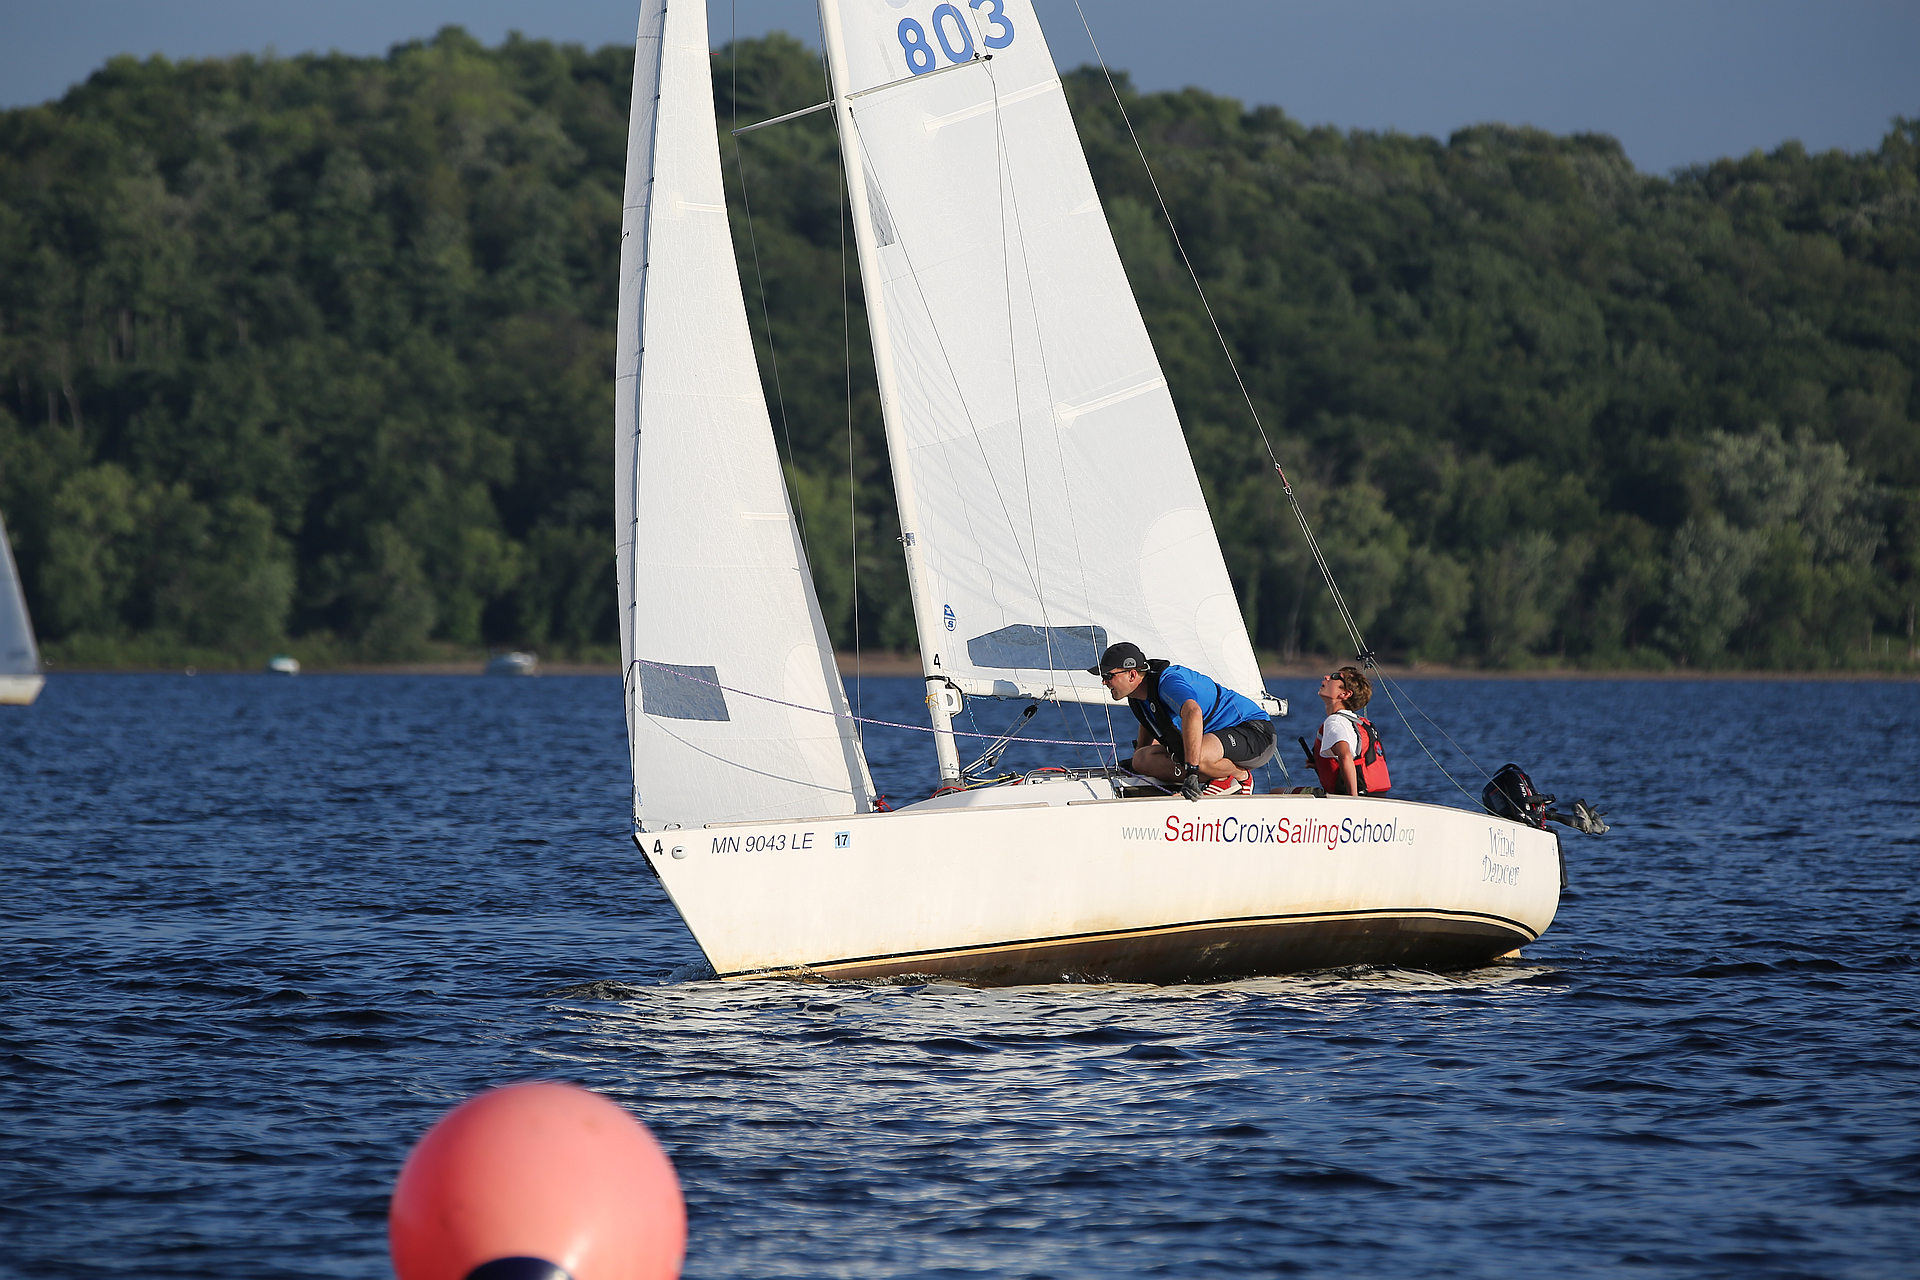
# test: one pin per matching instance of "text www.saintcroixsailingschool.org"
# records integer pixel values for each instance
(1233, 829)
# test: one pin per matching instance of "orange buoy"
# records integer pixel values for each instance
(540, 1181)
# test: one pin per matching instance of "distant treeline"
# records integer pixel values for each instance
(318, 351)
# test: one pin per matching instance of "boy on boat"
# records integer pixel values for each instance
(1346, 752)
(1192, 731)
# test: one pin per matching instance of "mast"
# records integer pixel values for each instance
(943, 697)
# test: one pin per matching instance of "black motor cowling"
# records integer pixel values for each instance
(1511, 795)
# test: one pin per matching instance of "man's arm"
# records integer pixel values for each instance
(1191, 730)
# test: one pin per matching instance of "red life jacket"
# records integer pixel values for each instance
(1369, 762)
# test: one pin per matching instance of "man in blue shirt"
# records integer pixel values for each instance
(1192, 731)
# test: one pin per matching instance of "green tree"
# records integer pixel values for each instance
(321, 347)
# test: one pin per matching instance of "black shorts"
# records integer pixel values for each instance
(1248, 744)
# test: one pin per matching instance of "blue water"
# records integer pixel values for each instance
(258, 934)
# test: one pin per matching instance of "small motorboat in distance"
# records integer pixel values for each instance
(513, 664)
(281, 664)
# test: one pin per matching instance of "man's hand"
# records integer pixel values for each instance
(1192, 783)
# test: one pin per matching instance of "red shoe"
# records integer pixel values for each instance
(1227, 786)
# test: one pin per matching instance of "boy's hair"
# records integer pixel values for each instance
(1359, 688)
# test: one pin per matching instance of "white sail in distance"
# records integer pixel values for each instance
(1052, 503)
(735, 710)
(19, 656)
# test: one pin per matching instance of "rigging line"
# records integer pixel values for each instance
(853, 485)
(1013, 362)
(1326, 571)
(1387, 686)
(946, 356)
(1003, 184)
(860, 141)
(1320, 560)
(630, 625)
(1177, 242)
(1385, 682)
(681, 674)
(1046, 382)
(766, 318)
(791, 115)
(918, 77)
(733, 761)
(1105, 747)
(945, 456)
(1002, 165)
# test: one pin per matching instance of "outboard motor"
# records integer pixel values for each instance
(1511, 795)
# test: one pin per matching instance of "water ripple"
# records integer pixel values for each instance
(260, 933)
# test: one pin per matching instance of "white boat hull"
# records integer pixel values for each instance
(20, 691)
(1053, 881)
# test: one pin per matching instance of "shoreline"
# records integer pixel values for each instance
(884, 664)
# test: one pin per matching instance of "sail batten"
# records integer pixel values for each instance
(735, 710)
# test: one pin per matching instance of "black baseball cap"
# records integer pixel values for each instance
(1120, 657)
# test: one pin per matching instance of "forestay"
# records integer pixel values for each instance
(1056, 507)
(734, 708)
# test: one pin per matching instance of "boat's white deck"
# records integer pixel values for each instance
(1023, 794)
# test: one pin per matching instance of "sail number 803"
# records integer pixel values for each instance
(952, 34)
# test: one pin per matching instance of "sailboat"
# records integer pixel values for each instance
(1048, 507)
(20, 678)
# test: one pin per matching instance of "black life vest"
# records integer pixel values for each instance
(1155, 716)
(1369, 763)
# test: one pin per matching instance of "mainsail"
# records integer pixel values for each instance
(735, 710)
(1047, 497)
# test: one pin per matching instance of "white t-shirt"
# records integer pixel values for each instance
(1339, 727)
